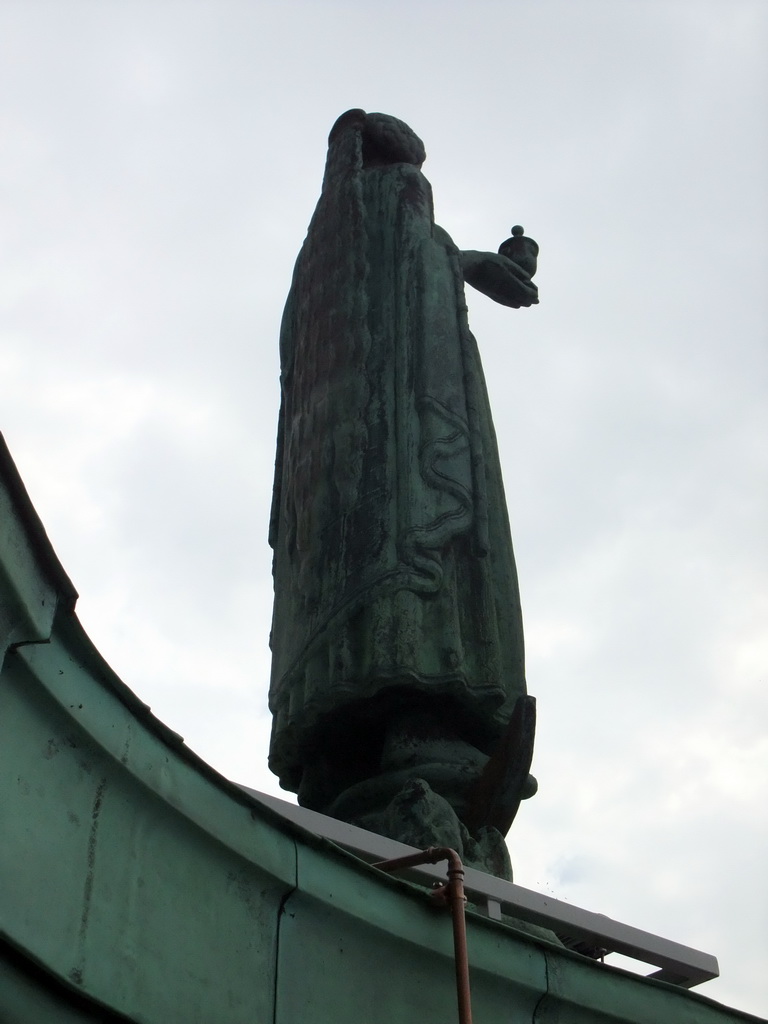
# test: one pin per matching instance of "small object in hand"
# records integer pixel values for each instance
(521, 250)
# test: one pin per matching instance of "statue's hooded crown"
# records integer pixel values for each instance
(382, 137)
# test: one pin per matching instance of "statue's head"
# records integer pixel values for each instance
(383, 139)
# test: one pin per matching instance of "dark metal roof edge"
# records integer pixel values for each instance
(33, 526)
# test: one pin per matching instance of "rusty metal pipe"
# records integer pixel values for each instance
(457, 900)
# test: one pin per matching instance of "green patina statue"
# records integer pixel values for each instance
(398, 685)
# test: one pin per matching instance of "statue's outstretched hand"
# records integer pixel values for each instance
(498, 278)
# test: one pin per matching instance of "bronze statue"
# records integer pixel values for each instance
(397, 638)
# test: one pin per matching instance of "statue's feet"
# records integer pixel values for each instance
(420, 817)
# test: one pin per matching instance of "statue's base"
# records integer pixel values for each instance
(404, 806)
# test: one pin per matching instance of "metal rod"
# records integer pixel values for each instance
(457, 900)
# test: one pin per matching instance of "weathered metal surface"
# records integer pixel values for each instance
(139, 877)
(139, 885)
(29, 992)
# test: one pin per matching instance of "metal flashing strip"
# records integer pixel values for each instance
(677, 964)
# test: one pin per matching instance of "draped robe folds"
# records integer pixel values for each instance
(393, 563)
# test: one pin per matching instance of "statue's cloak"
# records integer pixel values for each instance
(393, 565)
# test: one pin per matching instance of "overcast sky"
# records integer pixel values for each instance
(160, 165)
